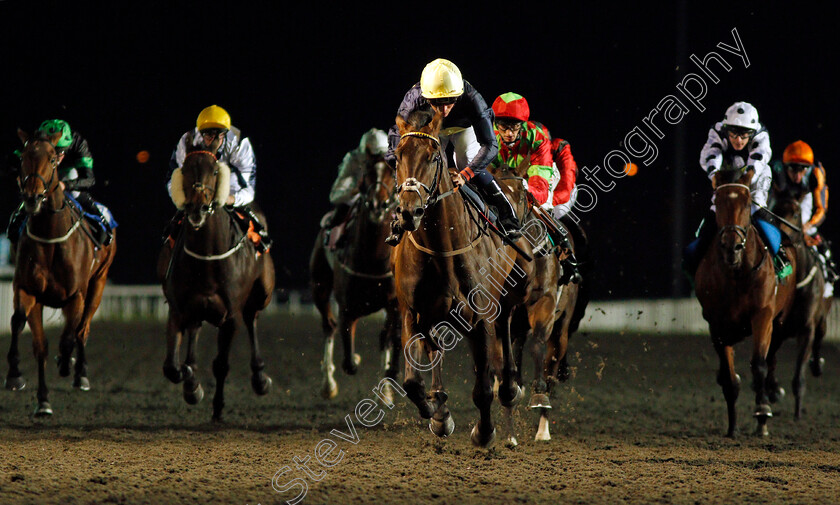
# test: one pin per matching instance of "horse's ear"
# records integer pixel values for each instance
(402, 124)
(434, 125)
(189, 139)
(23, 136)
(747, 176)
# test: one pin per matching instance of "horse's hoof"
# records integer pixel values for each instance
(442, 428)
(511, 399)
(511, 442)
(762, 431)
(350, 368)
(43, 410)
(217, 418)
(763, 411)
(329, 390)
(482, 441)
(539, 401)
(776, 394)
(261, 387)
(174, 375)
(82, 383)
(14, 383)
(194, 396)
(64, 366)
(357, 359)
(543, 433)
(816, 366)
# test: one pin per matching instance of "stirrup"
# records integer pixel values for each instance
(782, 267)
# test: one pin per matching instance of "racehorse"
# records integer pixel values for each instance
(547, 317)
(57, 265)
(738, 291)
(452, 278)
(359, 276)
(211, 273)
(808, 317)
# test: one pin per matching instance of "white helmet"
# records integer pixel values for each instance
(374, 142)
(741, 114)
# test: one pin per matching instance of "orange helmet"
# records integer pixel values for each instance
(798, 152)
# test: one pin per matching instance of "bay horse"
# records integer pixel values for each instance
(807, 322)
(736, 286)
(359, 276)
(57, 265)
(547, 317)
(453, 278)
(211, 273)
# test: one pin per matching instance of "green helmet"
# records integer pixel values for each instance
(53, 126)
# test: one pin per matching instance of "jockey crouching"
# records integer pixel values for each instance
(345, 189)
(739, 142)
(214, 132)
(799, 176)
(75, 173)
(466, 136)
(526, 148)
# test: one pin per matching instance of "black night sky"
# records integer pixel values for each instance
(305, 83)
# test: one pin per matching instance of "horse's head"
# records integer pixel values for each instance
(789, 208)
(420, 166)
(200, 186)
(732, 208)
(38, 176)
(377, 190)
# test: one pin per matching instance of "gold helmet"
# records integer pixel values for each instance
(213, 117)
(441, 79)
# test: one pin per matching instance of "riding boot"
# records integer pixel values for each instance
(571, 272)
(338, 216)
(16, 223)
(396, 234)
(694, 251)
(831, 272)
(508, 221)
(102, 232)
(781, 264)
(265, 241)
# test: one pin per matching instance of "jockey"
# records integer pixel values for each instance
(526, 147)
(467, 130)
(799, 176)
(740, 141)
(213, 127)
(75, 171)
(345, 189)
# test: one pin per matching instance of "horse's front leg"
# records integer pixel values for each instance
(413, 383)
(481, 337)
(221, 365)
(72, 321)
(260, 381)
(389, 347)
(729, 381)
(805, 339)
(347, 328)
(193, 392)
(441, 423)
(14, 379)
(762, 326)
(40, 349)
(775, 392)
(91, 304)
(509, 391)
(174, 332)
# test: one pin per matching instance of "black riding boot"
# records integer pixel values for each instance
(15, 224)
(265, 240)
(508, 221)
(103, 230)
(704, 236)
(571, 273)
(831, 273)
(338, 216)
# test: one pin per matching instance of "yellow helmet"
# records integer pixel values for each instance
(213, 117)
(441, 79)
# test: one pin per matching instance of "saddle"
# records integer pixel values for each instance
(99, 226)
(335, 236)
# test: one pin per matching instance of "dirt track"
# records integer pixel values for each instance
(640, 422)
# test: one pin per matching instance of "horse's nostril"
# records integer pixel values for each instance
(418, 212)
(739, 247)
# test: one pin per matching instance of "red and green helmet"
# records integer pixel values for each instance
(53, 126)
(511, 106)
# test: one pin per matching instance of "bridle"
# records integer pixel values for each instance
(208, 192)
(49, 187)
(378, 209)
(411, 184)
(741, 231)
